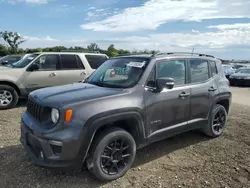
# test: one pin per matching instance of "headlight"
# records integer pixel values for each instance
(55, 115)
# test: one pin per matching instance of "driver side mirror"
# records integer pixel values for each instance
(165, 82)
(33, 67)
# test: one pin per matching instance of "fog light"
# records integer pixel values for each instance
(41, 155)
(56, 143)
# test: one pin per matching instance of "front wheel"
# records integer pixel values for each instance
(8, 97)
(111, 154)
(217, 121)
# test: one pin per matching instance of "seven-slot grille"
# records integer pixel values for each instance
(35, 110)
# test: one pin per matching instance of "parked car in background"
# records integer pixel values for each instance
(127, 103)
(228, 70)
(9, 59)
(243, 67)
(238, 65)
(241, 77)
(45, 69)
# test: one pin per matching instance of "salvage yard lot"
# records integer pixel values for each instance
(187, 160)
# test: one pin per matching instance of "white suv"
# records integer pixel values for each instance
(45, 69)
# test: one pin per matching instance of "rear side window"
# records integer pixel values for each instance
(213, 68)
(96, 61)
(199, 70)
(69, 62)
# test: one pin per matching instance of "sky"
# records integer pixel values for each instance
(217, 27)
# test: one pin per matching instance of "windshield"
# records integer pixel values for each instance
(25, 61)
(2, 57)
(244, 71)
(119, 72)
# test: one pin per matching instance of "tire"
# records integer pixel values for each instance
(10, 92)
(103, 146)
(210, 129)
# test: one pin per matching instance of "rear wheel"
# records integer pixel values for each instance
(8, 97)
(217, 122)
(112, 154)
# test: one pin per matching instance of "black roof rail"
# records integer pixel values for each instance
(80, 51)
(180, 53)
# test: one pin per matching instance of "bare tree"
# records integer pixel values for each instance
(93, 47)
(13, 39)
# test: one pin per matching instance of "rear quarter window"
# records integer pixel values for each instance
(213, 68)
(96, 61)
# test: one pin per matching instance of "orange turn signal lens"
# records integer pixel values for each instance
(68, 115)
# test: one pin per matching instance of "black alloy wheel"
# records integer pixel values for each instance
(111, 154)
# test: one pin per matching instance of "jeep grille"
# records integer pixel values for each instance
(37, 111)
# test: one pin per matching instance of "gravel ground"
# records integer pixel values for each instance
(187, 160)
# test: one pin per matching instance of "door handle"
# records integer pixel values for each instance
(184, 95)
(52, 74)
(83, 73)
(212, 89)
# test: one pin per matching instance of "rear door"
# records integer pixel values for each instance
(96, 61)
(203, 89)
(72, 69)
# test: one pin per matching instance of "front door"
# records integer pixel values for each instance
(46, 75)
(168, 109)
(72, 70)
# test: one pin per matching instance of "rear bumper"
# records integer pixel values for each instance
(48, 152)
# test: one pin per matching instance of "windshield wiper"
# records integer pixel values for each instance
(103, 84)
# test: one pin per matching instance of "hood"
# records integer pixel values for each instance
(67, 94)
(240, 75)
(7, 73)
(4, 68)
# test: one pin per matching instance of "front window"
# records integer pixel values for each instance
(48, 62)
(25, 61)
(175, 69)
(119, 72)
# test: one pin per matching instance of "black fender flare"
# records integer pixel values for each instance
(96, 122)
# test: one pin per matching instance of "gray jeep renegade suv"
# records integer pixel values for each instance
(126, 104)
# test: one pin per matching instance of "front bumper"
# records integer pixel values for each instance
(50, 153)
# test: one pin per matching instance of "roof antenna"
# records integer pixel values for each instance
(192, 51)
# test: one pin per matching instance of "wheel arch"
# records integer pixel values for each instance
(130, 121)
(225, 103)
(225, 100)
(9, 83)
